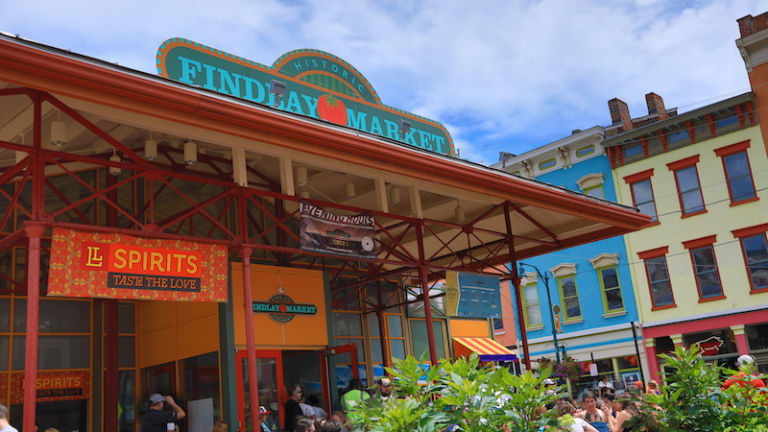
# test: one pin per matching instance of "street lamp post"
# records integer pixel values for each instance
(549, 301)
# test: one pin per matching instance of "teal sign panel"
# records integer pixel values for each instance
(318, 85)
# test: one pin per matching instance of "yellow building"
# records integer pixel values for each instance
(701, 270)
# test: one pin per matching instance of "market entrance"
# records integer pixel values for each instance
(277, 372)
(269, 367)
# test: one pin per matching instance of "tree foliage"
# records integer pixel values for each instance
(466, 393)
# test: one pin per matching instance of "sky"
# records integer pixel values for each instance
(501, 75)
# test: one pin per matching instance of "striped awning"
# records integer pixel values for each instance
(487, 349)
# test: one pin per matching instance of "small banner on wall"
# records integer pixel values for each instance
(472, 295)
(85, 264)
(328, 233)
(53, 386)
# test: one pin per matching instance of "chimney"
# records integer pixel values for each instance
(656, 105)
(749, 24)
(620, 114)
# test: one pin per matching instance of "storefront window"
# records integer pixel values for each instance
(126, 396)
(389, 293)
(3, 355)
(5, 315)
(126, 318)
(55, 352)
(437, 301)
(126, 350)
(201, 381)
(346, 298)
(627, 362)
(664, 344)
(757, 336)
(419, 340)
(398, 348)
(395, 325)
(347, 324)
(56, 316)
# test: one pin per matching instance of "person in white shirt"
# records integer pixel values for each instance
(564, 408)
(5, 416)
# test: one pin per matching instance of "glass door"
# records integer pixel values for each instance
(269, 370)
(159, 379)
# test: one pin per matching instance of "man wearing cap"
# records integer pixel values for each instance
(263, 414)
(156, 419)
(384, 391)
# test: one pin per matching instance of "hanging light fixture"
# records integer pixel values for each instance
(190, 152)
(115, 171)
(150, 149)
(394, 195)
(460, 215)
(350, 190)
(58, 132)
(301, 176)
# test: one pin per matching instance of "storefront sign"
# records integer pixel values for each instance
(282, 308)
(53, 386)
(317, 84)
(472, 295)
(325, 232)
(710, 346)
(118, 266)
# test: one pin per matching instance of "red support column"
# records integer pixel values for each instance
(253, 384)
(516, 285)
(34, 232)
(424, 276)
(110, 365)
(382, 337)
(110, 383)
(381, 317)
(651, 360)
(741, 339)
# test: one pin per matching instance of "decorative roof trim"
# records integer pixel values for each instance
(563, 269)
(605, 260)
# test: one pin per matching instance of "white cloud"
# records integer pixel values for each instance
(502, 75)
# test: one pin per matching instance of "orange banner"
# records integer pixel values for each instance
(85, 264)
(54, 386)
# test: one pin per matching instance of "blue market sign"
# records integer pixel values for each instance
(317, 84)
(283, 309)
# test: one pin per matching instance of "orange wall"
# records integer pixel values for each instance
(303, 286)
(509, 337)
(469, 328)
(169, 331)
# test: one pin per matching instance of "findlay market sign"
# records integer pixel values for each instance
(282, 308)
(318, 85)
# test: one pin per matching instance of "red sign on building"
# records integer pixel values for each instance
(87, 264)
(53, 386)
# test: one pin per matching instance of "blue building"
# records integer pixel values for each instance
(593, 304)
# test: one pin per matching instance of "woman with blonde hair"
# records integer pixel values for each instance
(219, 426)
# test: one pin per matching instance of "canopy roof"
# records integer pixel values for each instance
(460, 208)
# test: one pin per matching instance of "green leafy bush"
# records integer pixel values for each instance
(484, 398)
(692, 399)
(476, 397)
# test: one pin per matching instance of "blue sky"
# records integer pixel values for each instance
(502, 75)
